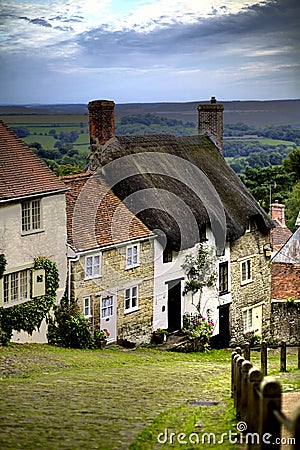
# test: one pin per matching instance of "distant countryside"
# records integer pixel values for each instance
(258, 136)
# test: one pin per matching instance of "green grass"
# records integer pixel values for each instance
(53, 398)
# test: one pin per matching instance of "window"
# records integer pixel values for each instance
(167, 254)
(92, 266)
(252, 319)
(31, 216)
(246, 271)
(131, 299)
(247, 319)
(223, 278)
(16, 287)
(132, 256)
(106, 307)
(87, 307)
(203, 237)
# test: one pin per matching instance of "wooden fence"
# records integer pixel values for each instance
(264, 355)
(257, 401)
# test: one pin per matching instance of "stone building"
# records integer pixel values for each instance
(32, 225)
(280, 234)
(285, 319)
(182, 189)
(110, 261)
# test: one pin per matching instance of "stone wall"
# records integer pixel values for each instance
(135, 326)
(285, 322)
(255, 292)
(285, 281)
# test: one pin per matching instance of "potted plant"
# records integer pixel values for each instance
(159, 336)
(100, 337)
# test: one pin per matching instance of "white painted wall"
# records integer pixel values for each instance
(21, 250)
(164, 272)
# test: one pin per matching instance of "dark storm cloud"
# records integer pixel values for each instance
(267, 25)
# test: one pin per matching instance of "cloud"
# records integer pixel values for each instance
(186, 52)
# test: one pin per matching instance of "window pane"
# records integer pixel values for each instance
(249, 269)
(96, 270)
(89, 266)
(250, 318)
(36, 218)
(243, 271)
(14, 287)
(24, 275)
(129, 256)
(26, 216)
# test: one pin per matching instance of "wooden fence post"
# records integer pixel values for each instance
(235, 368)
(264, 358)
(247, 352)
(246, 366)
(253, 413)
(299, 357)
(233, 354)
(283, 357)
(269, 429)
(238, 378)
(296, 428)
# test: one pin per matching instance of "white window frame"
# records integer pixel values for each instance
(246, 274)
(132, 256)
(92, 266)
(131, 299)
(87, 307)
(107, 309)
(252, 318)
(31, 215)
(17, 287)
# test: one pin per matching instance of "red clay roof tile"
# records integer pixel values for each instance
(22, 173)
(96, 217)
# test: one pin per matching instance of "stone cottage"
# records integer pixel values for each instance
(32, 225)
(285, 318)
(110, 270)
(182, 189)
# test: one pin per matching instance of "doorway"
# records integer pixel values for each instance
(174, 305)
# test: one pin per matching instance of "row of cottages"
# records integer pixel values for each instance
(32, 224)
(182, 189)
(142, 207)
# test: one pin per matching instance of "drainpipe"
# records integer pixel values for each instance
(70, 261)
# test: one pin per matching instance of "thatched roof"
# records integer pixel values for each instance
(180, 178)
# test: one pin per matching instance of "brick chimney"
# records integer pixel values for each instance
(277, 212)
(102, 121)
(210, 122)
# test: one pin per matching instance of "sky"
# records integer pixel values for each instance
(129, 51)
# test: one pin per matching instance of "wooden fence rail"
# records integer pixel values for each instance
(264, 355)
(257, 401)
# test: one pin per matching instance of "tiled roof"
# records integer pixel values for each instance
(96, 217)
(279, 235)
(22, 173)
(290, 252)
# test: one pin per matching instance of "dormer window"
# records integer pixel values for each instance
(31, 216)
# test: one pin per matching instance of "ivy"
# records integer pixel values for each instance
(29, 316)
(3, 263)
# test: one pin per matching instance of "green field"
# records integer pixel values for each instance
(54, 398)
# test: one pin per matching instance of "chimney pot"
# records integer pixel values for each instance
(210, 122)
(102, 121)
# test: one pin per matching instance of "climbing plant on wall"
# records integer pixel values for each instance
(29, 316)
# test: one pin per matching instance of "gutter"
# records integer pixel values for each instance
(40, 194)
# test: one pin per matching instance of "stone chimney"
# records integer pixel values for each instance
(210, 122)
(102, 121)
(277, 212)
